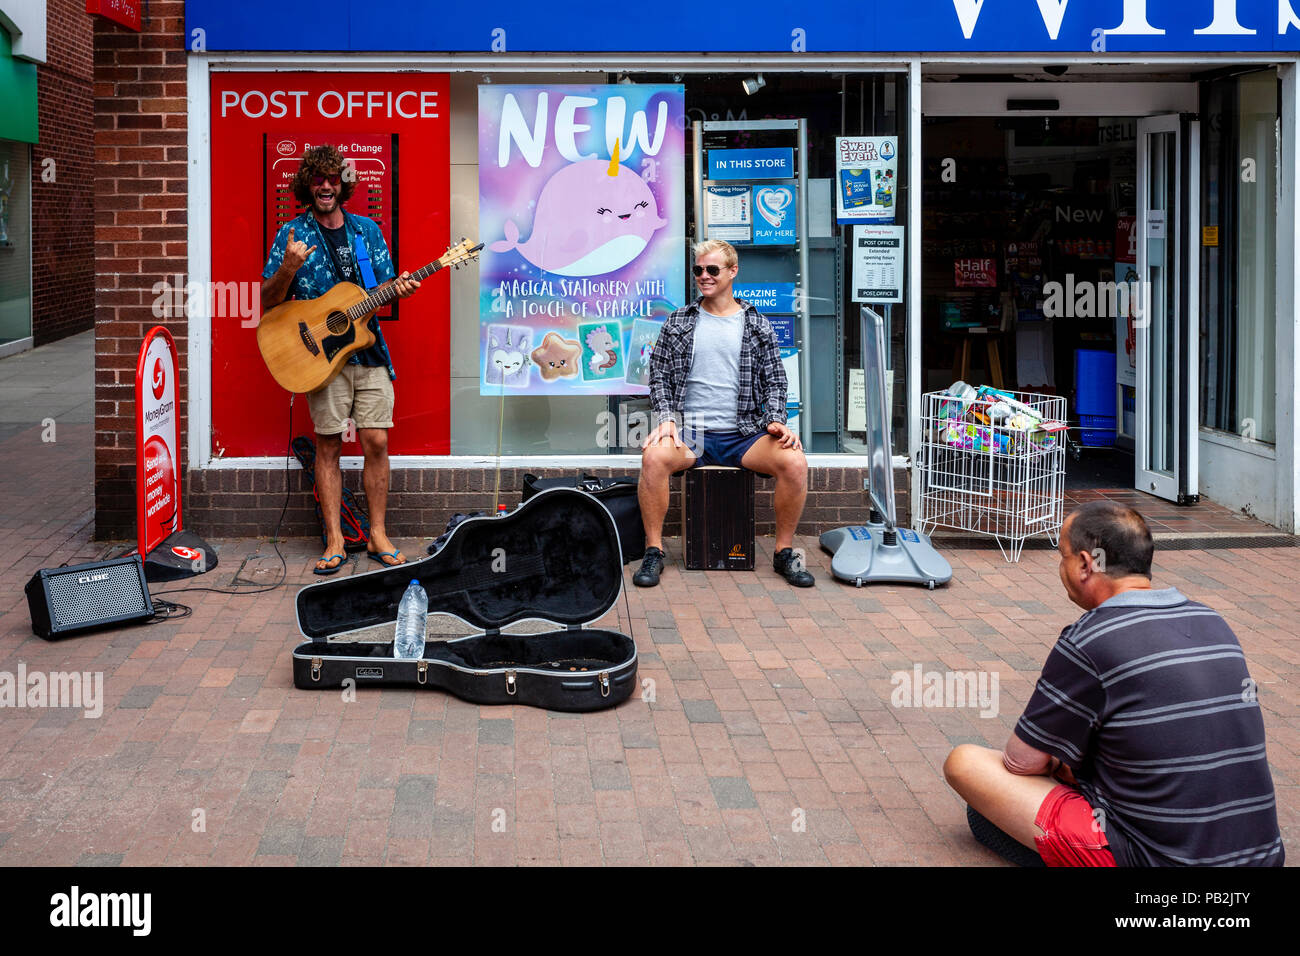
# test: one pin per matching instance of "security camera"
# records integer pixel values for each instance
(753, 84)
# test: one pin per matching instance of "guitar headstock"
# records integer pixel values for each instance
(464, 251)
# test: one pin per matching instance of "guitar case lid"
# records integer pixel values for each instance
(556, 557)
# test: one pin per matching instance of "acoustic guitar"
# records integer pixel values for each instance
(305, 342)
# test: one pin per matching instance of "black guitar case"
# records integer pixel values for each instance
(555, 558)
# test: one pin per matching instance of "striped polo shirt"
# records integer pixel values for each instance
(1148, 700)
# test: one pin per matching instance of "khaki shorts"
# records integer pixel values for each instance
(360, 392)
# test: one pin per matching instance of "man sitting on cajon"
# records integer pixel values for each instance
(718, 390)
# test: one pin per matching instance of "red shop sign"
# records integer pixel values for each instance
(125, 12)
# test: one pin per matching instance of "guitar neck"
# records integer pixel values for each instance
(382, 296)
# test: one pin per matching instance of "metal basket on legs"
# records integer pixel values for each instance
(991, 479)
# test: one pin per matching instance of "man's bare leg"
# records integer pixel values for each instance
(658, 463)
(1007, 800)
(790, 469)
(374, 478)
(329, 487)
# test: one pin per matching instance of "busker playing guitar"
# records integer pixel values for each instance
(311, 253)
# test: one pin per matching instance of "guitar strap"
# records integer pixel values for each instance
(363, 260)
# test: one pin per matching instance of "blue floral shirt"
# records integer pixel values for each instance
(318, 275)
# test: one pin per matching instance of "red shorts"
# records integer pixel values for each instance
(1071, 835)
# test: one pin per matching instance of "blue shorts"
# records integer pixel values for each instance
(718, 448)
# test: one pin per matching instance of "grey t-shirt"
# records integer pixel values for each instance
(713, 384)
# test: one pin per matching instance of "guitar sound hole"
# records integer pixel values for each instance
(336, 322)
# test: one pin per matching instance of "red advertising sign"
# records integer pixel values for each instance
(1126, 249)
(261, 122)
(157, 441)
(125, 12)
(975, 273)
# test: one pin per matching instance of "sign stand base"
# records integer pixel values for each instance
(182, 555)
(876, 553)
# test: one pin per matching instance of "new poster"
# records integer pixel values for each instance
(582, 213)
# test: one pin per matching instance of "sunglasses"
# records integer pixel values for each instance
(333, 179)
(700, 270)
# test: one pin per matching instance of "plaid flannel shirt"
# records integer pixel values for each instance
(761, 396)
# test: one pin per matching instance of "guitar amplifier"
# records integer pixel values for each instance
(82, 597)
(718, 518)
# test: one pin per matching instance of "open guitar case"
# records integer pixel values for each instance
(555, 558)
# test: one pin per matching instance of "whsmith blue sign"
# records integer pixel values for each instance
(767, 26)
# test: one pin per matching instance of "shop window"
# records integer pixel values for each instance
(1241, 153)
(15, 241)
(484, 420)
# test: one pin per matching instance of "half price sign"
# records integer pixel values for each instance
(975, 273)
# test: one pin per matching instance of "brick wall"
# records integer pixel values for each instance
(248, 503)
(140, 232)
(63, 190)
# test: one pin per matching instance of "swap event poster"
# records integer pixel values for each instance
(582, 215)
(866, 176)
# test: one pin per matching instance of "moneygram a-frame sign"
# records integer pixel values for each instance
(168, 550)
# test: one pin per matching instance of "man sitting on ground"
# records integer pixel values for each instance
(718, 390)
(1143, 743)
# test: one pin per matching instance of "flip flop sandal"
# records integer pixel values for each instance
(378, 558)
(331, 570)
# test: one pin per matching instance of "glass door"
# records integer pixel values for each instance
(1166, 326)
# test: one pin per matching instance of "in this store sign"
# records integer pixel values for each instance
(125, 12)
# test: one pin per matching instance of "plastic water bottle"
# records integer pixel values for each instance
(412, 617)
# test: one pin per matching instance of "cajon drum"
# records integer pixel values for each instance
(718, 518)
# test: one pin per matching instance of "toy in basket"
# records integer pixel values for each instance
(555, 558)
(992, 462)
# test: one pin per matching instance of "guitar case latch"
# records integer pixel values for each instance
(316, 663)
(421, 672)
(510, 683)
(604, 684)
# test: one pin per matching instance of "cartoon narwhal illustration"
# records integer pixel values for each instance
(592, 217)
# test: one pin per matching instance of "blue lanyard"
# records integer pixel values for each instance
(363, 261)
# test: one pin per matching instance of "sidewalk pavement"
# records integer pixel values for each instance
(764, 732)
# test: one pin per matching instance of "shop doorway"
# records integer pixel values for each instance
(1054, 261)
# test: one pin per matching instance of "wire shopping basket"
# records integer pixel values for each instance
(992, 479)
